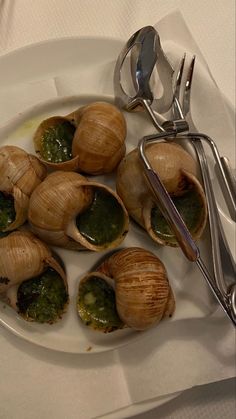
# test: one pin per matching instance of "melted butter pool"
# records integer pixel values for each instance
(190, 209)
(103, 221)
(96, 305)
(56, 142)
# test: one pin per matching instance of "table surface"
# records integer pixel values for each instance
(24, 22)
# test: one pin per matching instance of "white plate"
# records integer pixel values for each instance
(94, 61)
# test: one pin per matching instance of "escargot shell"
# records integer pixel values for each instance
(59, 204)
(20, 173)
(178, 171)
(97, 144)
(24, 257)
(142, 290)
(99, 140)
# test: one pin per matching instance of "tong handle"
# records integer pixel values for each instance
(167, 206)
(188, 246)
(185, 241)
(224, 173)
(220, 248)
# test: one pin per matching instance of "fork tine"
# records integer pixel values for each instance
(177, 112)
(179, 77)
(187, 89)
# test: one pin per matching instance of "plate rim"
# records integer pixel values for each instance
(59, 40)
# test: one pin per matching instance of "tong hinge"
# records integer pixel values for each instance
(178, 125)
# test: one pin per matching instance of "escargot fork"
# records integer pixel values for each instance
(220, 248)
(225, 294)
(181, 110)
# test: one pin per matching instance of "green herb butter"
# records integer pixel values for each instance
(103, 221)
(42, 298)
(96, 305)
(56, 143)
(189, 207)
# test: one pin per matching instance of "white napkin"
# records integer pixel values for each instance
(216, 121)
(184, 352)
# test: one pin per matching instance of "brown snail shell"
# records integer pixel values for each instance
(99, 140)
(142, 290)
(178, 171)
(24, 262)
(58, 201)
(23, 256)
(20, 173)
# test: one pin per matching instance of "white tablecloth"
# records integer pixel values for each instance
(35, 382)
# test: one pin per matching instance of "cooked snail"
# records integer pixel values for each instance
(96, 303)
(31, 278)
(142, 293)
(178, 172)
(69, 211)
(20, 173)
(53, 143)
(89, 140)
(99, 140)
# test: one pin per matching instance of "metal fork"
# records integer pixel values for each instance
(224, 290)
(181, 110)
(220, 248)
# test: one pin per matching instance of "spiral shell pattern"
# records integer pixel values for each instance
(56, 203)
(20, 173)
(24, 256)
(98, 143)
(143, 292)
(99, 140)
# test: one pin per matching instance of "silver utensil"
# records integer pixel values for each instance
(225, 294)
(146, 53)
(184, 238)
(181, 110)
(225, 279)
(220, 248)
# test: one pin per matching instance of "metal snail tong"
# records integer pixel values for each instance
(144, 54)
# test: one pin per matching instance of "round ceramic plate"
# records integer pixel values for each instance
(87, 64)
